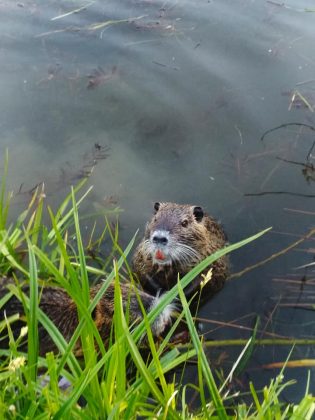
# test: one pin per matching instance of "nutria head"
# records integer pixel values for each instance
(176, 239)
(174, 234)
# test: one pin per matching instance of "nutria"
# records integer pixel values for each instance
(61, 309)
(176, 239)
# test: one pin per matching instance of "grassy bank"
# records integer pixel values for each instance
(118, 380)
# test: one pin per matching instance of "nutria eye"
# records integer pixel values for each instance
(156, 206)
(198, 213)
(185, 223)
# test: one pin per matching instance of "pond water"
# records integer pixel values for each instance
(181, 92)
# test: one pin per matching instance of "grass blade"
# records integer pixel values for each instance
(33, 343)
(214, 392)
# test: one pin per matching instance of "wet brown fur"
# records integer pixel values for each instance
(62, 311)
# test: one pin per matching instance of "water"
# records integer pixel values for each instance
(182, 93)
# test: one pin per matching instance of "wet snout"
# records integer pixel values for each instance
(160, 252)
(160, 237)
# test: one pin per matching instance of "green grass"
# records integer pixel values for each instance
(119, 381)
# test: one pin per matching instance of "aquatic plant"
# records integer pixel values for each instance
(120, 381)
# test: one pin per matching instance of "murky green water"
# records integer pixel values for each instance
(181, 92)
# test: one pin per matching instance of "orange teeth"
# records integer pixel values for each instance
(159, 255)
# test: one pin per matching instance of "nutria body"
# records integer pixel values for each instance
(62, 311)
(176, 239)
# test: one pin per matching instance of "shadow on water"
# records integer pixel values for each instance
(182, 94)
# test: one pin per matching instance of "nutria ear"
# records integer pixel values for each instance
(198, 213)
(156, 207)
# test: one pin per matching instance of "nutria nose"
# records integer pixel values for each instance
(159, 239)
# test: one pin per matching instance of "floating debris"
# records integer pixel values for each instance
(92, 27)
(308, 170)
(299, 100)
(53, 70)
(73, 11)
(98, 77)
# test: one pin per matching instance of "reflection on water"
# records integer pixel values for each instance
(181, 93)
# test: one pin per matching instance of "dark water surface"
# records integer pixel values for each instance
(181, 92)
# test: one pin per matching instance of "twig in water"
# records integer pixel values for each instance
(309, 213)
(270, 316)
(308, 169)
(92, 27)
(73, 11)
(258, 342)
(290, 364)
(239, 133)
(286, 125)
(273, 256)
(165, 65)
(285, 6)
(302, 98)
(279, 193)
(305, 82)
(159, 64)
(270, 174)
(231, 324)
(309, 155)
(291, 161)
(292, 101)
